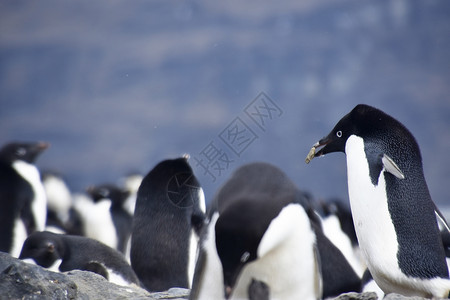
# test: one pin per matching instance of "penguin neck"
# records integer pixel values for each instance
(39, 204)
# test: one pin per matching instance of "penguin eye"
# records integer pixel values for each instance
(21, 151)
(245, 257)
(339, 134)
(103, 192)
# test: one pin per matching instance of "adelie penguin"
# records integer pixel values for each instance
(78, 253)
(59, 201)
(395, 218)
(23, 203)
(169, 211)
(121, 218)
(257, 231)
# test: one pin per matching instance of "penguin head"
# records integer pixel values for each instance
(335, 141)
(43, 247)
(171, 181)
(366, 122)
(117, 195)
(27, 152)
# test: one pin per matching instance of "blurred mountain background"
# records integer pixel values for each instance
(117, 86)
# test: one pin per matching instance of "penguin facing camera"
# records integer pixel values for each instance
(121, 218)
(59, 201)
(23, 203)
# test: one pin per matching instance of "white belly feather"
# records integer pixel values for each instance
(373, 224)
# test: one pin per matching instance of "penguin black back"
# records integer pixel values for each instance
(167, 200)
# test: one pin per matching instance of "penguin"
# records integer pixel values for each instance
(394, 215)
(369, 285)
(121, 218)
(131, 183)
(77, 252)
(337, 224)
(170, 209)
(257, 231)
(22, 196)
(59, 201)
(94, 219)
(336, 210)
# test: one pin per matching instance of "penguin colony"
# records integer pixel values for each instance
(261, 237)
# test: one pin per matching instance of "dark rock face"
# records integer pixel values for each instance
(19, 280)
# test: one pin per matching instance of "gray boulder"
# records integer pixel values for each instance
(20, 280)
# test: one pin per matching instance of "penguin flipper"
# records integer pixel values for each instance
(318, 273)
(96, 267)
(443, 225)
(198, 275)
(391, 167)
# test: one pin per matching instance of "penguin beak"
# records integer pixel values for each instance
(41, 146)
(312, 153)
(37, 149)
(323, 142)
(230, 279)
(228, 291)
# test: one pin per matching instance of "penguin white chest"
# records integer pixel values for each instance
(373, 224)
(39, 204)
(210, 285)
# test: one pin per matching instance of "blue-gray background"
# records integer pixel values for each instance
(117, 86)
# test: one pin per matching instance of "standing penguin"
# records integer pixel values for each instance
(337, 224)
(94, 219)
(131, 183)
(257, 231)
(169, 209)
(23, 203)
(78, 252)
(121, 218)
(394, 215)
(59, 201)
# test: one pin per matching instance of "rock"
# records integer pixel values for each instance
(357, 296)
(401, 297)
(24, 281)
(20, 280)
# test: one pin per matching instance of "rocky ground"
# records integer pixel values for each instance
(19, 280)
